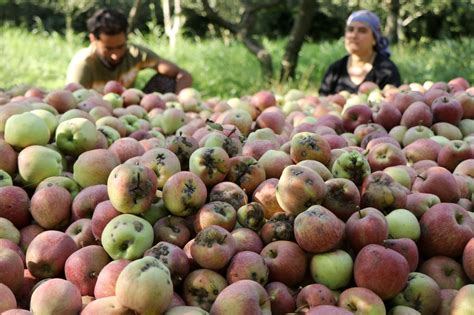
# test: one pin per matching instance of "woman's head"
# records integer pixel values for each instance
(363, 32)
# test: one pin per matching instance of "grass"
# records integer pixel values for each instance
(41, 59)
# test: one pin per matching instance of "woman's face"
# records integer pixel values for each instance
(359, 38)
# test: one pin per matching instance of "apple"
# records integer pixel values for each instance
(81, 232)
(418, 203)
(102, 214)
(213, 247)
(454, 231)
(242, 297)
(421, 293)
(94, 167)
(313, 295)
(247, 265)
(36, 163)
(355, 115)
(281, 298)
(447, 272)
(361, 301)
(210, 164)
(83, 267)
(332, 269)
(251, 215)
(8, 163)
(310, 146)
(298, 188)
(163, 162)
(126, 148)
(22, 130)
(265, 194)
(75, 136)
(201, 288)
(351, 165)
(247, 240)
(286, 261)
(228, 192)
(318, 230)
(263, 99)
(127, 236)
(87, 199)
(246, 172)
(215, 213)
(274, 162)
(447, 109)
(5, 179)
(106, 305)
(7, 299)
(403, 224)
(366, 226)
(45, 260)
(11, 270)
(9, 231)
(468, 259)
(172, 229)
(417, 113)
(184, 193)
(381, 270)
(386, 114)
(107, 278)
(56, 296)
(407, 248)
(463, 302)
(173, 257)
(14, 205)
(384, 155)
(145, 286)
(51, 207)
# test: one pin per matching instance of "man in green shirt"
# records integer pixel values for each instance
(110, 57)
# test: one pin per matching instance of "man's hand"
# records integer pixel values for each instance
(171, 70)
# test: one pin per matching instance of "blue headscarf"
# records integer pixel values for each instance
(373, 21)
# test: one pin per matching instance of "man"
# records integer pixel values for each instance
(109, 57)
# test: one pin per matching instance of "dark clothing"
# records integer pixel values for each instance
(337, 79)
(160, 83)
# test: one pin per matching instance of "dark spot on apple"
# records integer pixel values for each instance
(253, 276)
(296, 172)
(125, 245)
(309, 181)
(145, 267)
(138, 226)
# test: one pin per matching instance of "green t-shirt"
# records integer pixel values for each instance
(87, 69)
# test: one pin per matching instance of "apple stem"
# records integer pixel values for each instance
(360, 213)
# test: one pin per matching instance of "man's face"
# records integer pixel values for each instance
(110, 48)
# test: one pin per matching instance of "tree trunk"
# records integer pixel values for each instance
(132, 16)
(243, 33)
(69, 30)
(391, 27)
(300, 27)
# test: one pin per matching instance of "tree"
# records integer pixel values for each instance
(243, 31)
(173, 22)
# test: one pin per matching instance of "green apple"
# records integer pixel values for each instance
(131, 188)
(127, 236)
(130, 121)
(421, 293)
(332, 269)
(114, 99)
(403, 223)
(440, 139)
(400, 174)
(9, 231)
(37, 162)
(110, 134)
(22, 130)
(44, 106)
(145, 286)
(76, 113)
(5, 179)
(351, 165)
(83, 94)
(68, 183)
(75, 136)
(49, 118)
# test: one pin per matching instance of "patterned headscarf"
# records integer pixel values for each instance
(373, 21)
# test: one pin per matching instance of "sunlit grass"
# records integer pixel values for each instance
(41, 59)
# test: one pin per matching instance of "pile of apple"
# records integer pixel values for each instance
(129, 203)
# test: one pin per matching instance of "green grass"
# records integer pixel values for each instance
(41, 59)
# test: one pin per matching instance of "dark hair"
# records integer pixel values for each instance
(107, 21)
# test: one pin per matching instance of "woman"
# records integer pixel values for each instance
(368, 58)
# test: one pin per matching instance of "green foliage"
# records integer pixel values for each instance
(41, 60)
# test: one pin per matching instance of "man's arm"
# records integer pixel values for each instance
(169, 69)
